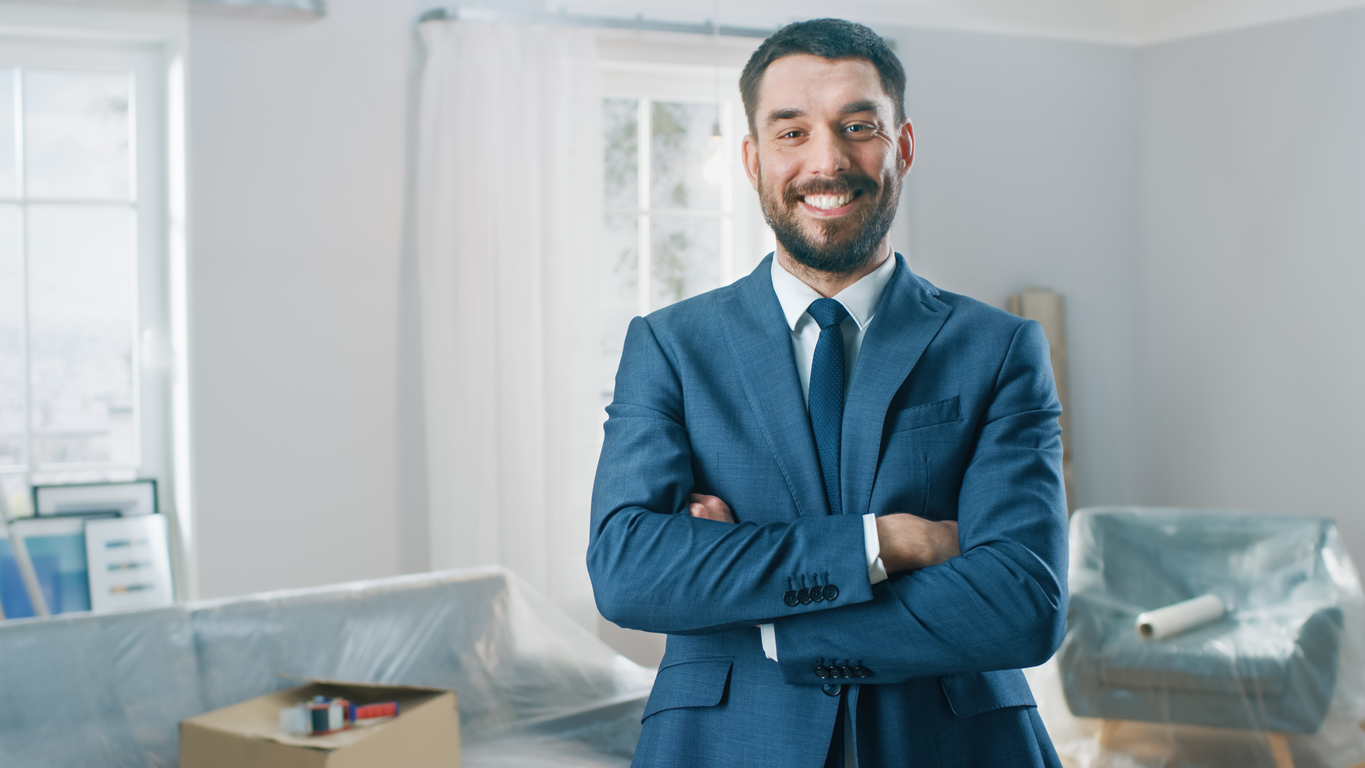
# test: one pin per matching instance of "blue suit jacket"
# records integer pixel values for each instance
(951, 414)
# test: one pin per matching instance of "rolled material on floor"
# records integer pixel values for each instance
(1181, 617)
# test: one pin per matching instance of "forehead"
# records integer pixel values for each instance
(808, 82)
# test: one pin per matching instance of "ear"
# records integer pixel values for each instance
(906, 141)
(749, 153)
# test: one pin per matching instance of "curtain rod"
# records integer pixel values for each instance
(639, 22)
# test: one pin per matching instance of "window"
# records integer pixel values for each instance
(84, 368)
(679, 215)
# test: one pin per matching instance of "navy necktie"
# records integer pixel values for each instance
(825, 398)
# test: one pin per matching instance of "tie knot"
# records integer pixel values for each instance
(827, 312)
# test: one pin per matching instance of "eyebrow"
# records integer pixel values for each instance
(791, 113)
(787, 113)
(863, 105)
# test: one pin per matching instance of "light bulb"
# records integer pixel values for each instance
(714, 170)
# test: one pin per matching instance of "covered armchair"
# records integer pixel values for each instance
(1270, 664)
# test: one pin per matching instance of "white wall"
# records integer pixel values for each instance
(1026, 175)
(1253, 264)
(296, 161)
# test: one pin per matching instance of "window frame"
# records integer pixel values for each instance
(744, 238)
(150, 334)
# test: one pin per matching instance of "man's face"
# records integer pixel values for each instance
(827, 159)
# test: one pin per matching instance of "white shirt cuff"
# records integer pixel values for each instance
(872, 545)
(769, 637)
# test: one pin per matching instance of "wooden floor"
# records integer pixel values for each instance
(1169, 742)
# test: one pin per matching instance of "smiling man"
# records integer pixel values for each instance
(837, 488)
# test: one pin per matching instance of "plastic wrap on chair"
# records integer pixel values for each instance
(535, 689)
(1278, 680)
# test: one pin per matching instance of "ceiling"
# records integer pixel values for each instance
(1130, 22)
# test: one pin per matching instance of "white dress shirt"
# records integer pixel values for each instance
(860, 299)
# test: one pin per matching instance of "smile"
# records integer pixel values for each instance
(830, 203)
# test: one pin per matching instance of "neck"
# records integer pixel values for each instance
(829, 284)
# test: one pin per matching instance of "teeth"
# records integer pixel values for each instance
(826, 202)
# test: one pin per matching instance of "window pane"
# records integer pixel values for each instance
(77, 134)
(619, 295)
(81, 289)
(679, 140)
(684, 258)
(621, 158)
(11, 339)
(9, 182)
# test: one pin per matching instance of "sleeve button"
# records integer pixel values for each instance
(831, 592)
(790, 598)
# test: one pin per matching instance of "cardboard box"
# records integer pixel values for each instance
(425, 734)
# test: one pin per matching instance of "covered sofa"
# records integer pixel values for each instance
(535, 689)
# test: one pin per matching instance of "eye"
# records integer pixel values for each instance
(791, 134)
(858, 128)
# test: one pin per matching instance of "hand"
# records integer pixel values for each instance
(910, 542)
(709, 507)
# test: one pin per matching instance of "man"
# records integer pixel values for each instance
(837, 488)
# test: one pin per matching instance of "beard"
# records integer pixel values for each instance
(844, 244)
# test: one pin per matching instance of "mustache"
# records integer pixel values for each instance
(836, 186)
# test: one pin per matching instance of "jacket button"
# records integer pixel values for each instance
(831, 591)
(790, 598)
(817, 594)
(832, 689)
(803, 596)
(861, 672)
(822, 672)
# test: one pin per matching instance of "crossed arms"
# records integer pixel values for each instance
(908, 543)
(993, 598)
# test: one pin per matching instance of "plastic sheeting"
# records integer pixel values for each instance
(1284, 664)
(535, 689)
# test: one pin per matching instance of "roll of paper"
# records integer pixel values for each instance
(1181, 617)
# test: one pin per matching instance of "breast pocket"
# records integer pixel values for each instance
(926, 415)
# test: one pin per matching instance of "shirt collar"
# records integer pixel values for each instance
(860, 299)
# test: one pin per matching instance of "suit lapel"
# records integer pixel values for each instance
(907, 319)
(761, 351)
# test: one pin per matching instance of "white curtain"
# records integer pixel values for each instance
(508, 229)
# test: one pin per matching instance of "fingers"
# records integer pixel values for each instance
(710, 508)
(700, 510)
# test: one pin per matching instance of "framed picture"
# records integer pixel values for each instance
(137, 497)
(129, 562)
(56, 546)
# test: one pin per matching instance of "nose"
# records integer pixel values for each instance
(828, 155)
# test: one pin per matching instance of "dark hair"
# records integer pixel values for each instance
(830, 39)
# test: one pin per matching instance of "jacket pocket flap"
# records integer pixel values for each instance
(699, 683)
(927, 415)
(979, 692)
